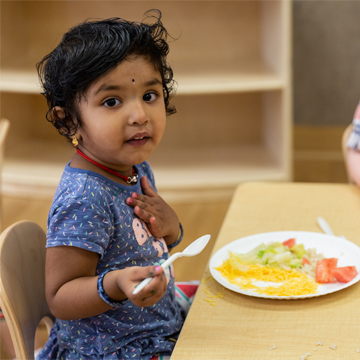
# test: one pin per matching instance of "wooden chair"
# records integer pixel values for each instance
(345, 137)
(22, 284)
(4, 129)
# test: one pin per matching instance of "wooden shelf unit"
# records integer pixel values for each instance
(232, 63)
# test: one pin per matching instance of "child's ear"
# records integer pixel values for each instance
(57, 112)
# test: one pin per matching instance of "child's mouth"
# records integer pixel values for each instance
(138, 141)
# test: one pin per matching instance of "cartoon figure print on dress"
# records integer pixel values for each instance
(143, 234)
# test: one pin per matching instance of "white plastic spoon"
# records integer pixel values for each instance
(193, 249)
(325, 227)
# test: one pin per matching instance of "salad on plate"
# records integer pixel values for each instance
(283, 269)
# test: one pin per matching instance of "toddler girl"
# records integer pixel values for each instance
(108, 85)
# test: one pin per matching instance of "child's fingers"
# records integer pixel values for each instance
(139, 273)
(138, 197)
(143, 214)
(155, 270)
(154, 224)
(146, 187)
(154, 291)
(149, 271)
(152, 287)
(142, 204)
(154, 294)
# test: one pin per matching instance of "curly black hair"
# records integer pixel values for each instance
(91, 49)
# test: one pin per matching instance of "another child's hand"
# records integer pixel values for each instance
(129, 277)
(353, 164)
(151, 208)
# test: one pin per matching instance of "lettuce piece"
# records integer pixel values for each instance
(296, 263)
(275, 254)
(299, 250)
(283, 258)
(281, 249)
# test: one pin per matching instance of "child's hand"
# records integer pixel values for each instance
(353, 164)
(130, 277)
(151, 208)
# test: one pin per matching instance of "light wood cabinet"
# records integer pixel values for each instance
(232, 62)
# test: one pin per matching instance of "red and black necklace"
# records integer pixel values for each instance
(132, 179)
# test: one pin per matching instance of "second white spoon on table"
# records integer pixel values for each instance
(325, 227)
(193, 249)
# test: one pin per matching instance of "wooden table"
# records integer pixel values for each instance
(245, 327)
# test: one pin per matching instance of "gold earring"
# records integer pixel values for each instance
(75, 140)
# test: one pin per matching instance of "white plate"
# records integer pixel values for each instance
(330, 246)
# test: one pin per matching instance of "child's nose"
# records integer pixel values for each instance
(138, 114)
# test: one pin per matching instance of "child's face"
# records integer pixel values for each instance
(123, 114)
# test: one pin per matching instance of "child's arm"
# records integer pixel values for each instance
(71, 286)
(160, 217)
(353, 164)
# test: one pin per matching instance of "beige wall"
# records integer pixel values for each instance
(326, 61)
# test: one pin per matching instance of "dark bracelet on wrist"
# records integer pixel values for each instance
(102, 293)
(177, 242)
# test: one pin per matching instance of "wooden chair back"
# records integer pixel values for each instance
(4, 129)
(22, 284)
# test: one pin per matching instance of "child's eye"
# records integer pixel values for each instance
(111, 102)
(149, 96)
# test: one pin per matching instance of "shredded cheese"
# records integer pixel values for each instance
(209, 291)
(287, 282)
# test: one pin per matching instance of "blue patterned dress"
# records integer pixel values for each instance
(89, 212)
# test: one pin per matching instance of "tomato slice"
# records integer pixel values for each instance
(344, 274)
(331, 263)
(305, 261)
(323, 273)
(323, 270)
(290, 243)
